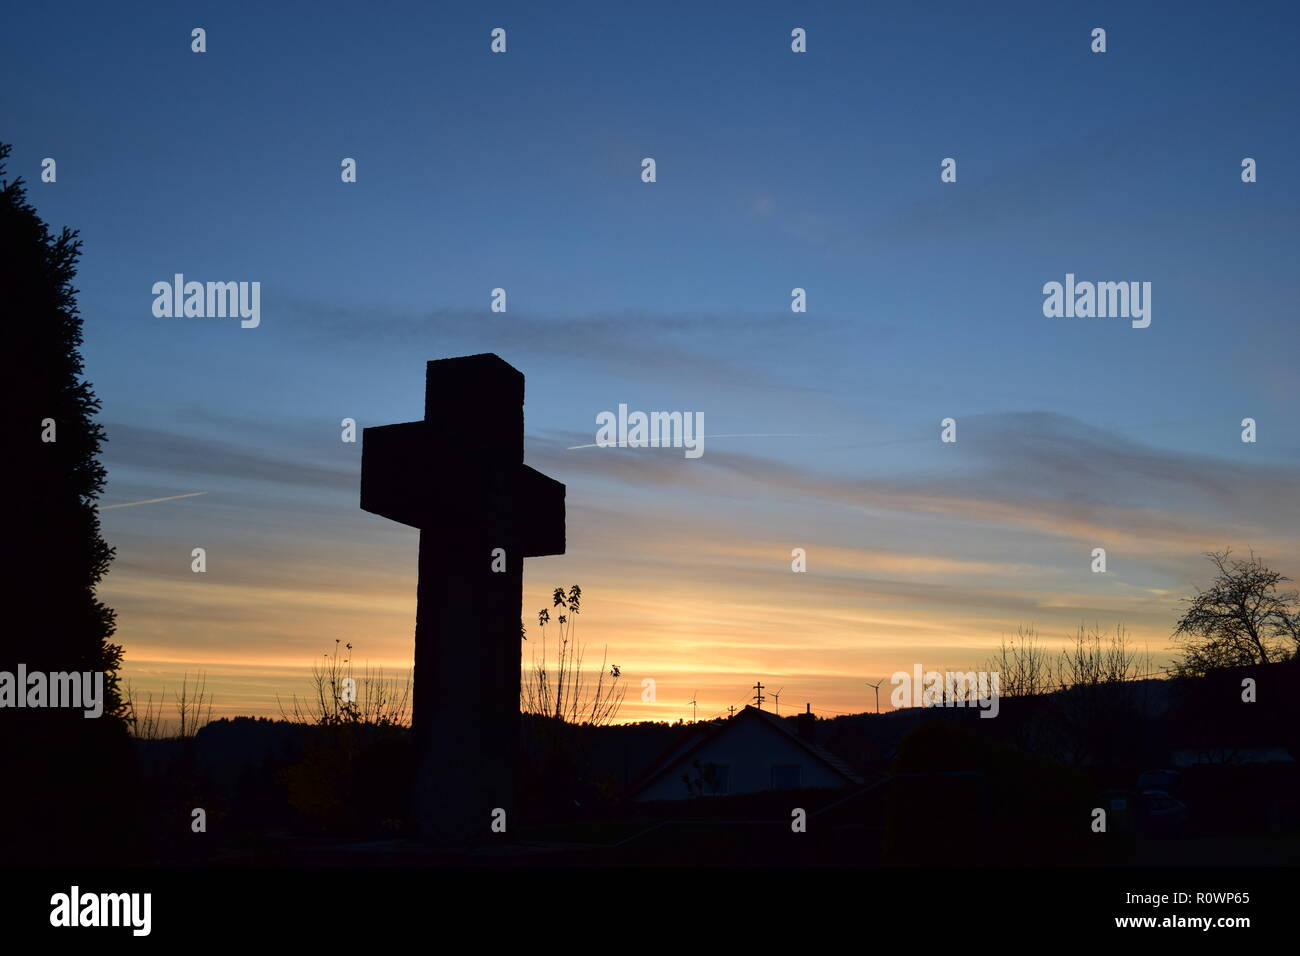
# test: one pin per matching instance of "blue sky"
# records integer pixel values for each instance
(775, 170)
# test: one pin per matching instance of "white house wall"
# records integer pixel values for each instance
(750, 750)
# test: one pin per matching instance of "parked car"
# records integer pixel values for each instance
(1166, 780)
(1159, 813)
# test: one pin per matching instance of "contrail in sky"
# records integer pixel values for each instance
(149, 501)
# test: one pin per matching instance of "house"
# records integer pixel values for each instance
(748, 753)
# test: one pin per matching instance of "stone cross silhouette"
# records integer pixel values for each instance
(459, 476)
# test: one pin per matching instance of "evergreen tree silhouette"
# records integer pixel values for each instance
(66, 791)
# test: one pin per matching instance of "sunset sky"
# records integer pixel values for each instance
(775, 170)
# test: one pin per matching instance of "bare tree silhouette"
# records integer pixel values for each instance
(1241, 618)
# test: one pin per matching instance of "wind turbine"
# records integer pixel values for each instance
(876, 688)
(777, 698)
(693, 702)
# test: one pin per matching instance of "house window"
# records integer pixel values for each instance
(787, 776)
(709, 779)
(721, 782)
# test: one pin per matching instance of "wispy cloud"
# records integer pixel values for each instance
(1043, 472)
(174, 452)
(725, 349)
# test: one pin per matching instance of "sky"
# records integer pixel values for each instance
(775, 170)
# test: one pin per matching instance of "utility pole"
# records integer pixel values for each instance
(758, 695)
(731, 711)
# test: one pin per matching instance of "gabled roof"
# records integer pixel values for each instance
(821, 753)
(715, 729)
